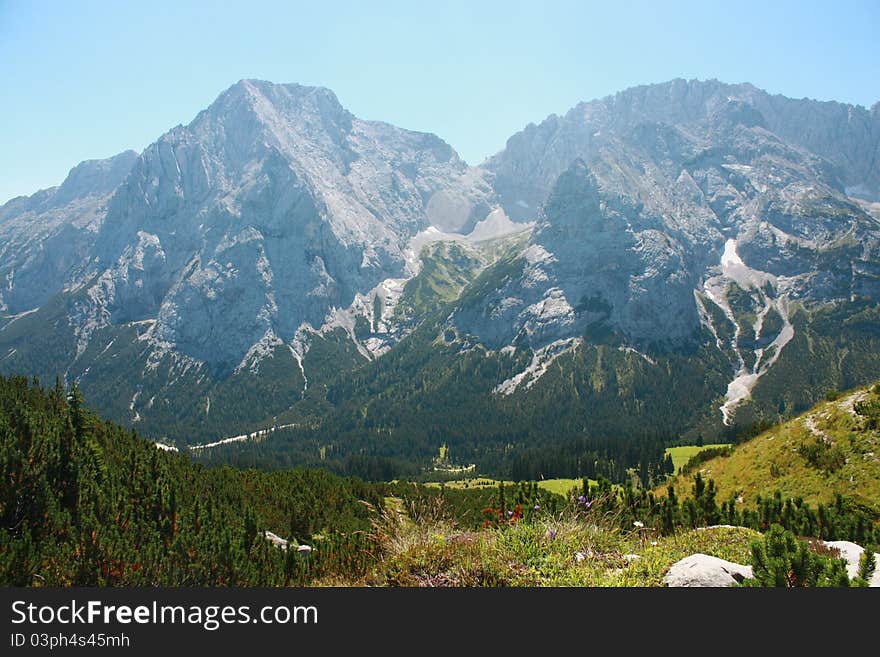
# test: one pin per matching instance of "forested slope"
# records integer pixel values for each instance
(86, 502)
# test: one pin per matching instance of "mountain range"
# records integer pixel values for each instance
(675, 261)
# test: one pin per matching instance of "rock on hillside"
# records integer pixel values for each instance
(702, 570)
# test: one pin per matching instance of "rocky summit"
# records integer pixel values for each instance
(692, 243)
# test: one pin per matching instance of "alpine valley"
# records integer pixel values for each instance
(678, 262)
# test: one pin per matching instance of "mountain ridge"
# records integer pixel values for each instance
(252, 260)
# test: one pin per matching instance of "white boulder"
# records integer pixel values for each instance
(702, 570)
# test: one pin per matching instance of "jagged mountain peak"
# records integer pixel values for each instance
(272, 209)
(688, 217)
(674, 101)
(281, 106)
(45, 238)
(89, 178)
(847, 136)
(290, 92)
(314, 114)
(261, 96)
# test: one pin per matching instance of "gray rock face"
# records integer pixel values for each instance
(634, 238)
(675, 215)
(846, 136)
(701, 570)
(665, 216)
(44, 238)
(269, 210)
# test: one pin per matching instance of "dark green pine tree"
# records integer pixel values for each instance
(867, 565)
(670, 511)
(781, 560)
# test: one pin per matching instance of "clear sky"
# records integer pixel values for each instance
(84, 80)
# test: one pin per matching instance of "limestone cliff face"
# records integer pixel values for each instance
(846, 136)
(685, 214)
(269, 210)
(665, 180)
(665, 216)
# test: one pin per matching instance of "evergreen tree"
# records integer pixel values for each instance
(780, 559)
(867, 565)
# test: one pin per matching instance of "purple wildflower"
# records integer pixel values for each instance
(510, 513)
(537, 506)
(581, 498)
(552, 533)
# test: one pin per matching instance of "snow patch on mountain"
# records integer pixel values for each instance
(165, 448)
(135, 416)
(756, 282)
(541, 361)
(636, 352)
(260, 434)
(14, 318)
(298, 359)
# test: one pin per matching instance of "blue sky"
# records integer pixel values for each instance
(84, 80)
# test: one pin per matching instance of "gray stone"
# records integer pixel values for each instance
(702, 570)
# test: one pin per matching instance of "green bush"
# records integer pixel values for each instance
(867, 564)
(780, 559)
(822, 456)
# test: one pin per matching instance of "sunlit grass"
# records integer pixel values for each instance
(563, 549)
(684, 453)
(774, 461)
(559, 486)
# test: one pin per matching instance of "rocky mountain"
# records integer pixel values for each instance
(681, 256)
(241, 233)
(274, 206)
(690, 218)
(847, 137)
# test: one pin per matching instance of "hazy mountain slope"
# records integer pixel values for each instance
(846, 136)
(47, 237)
(237, 238)
(273, 207)
(690, 221)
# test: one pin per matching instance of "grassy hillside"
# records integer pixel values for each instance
(553, 551)
(447, 267)
(832, 449)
